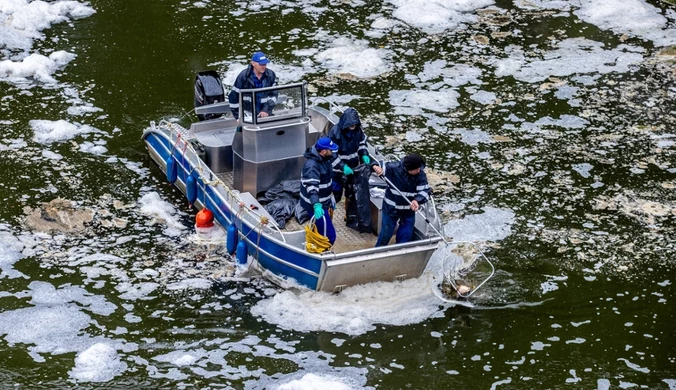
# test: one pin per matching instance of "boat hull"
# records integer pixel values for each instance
(282, 253)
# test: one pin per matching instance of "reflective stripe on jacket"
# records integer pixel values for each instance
(244, 80)
(315, 181)
(413, 187)
(351, 143)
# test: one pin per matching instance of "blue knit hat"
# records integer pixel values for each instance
(325, 143)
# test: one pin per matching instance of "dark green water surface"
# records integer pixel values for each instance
(556, 133)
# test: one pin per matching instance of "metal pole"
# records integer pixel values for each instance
(389, 183)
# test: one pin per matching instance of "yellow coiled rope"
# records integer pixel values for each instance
(315, 242)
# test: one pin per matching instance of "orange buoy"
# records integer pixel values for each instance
(204, 218)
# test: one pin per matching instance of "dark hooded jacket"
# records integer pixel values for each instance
(315, 181)
(414, 187)
(351, 143)
(265, 101)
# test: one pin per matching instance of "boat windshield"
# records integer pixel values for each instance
(273, 104)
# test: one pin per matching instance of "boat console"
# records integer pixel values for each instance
(259, 150)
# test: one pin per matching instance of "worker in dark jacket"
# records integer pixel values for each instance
(409, 178)
(315, 190)
(256, 75)
(351, 140)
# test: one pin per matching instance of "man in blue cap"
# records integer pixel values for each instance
(316, 196)
(256, 75)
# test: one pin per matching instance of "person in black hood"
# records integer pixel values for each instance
(256, 75)
(351, 140)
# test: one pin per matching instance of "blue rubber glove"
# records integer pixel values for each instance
(347, 170)
(319, 211)
(366, 159)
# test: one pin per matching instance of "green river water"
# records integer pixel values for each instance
(551, 124)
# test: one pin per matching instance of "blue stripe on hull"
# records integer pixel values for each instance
(225, 216)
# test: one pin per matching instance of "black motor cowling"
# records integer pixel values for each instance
(208, 90)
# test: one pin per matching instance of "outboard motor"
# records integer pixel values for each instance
(208, 90)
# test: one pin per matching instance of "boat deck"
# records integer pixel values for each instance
(347, 240)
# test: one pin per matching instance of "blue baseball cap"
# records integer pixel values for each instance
(260, 57)
(326, 143)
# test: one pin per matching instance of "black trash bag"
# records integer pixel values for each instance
(285, 189)
(281, 210)
(301, 215)
(358, 200)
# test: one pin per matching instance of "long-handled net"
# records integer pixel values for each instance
(458, 270)
(466, 269)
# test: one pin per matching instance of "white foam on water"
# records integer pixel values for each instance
(551, 284)
(454, 75)
(566, 92)
(14, 144)
(313, 381)
(47, 132)
(182, 357)
(415, 101)
(136, 291)
(35, 66)
(50, 329)
(603, 384)
(635, 366)
(545, 4)
(583, 169)
(10, 252)
(23, 21)
(473, 137)
(136, 167)
(48, 154)
(380, 25)
(548, 286)
(95, 148)
(437, 16)
(87, 108)
(194, 283)
(214, 235)
(484, 97)
(56, 325)
(355, 58)
(634, 17)
(290, 73)
(495, 385)
(98, 363)
(566, 121)
(97, 258)
(154, 206)
(664, 140)
(356, 310)
(45, 294)
(493, 225)
(234, 69)
(413, 136)
(573, 56)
